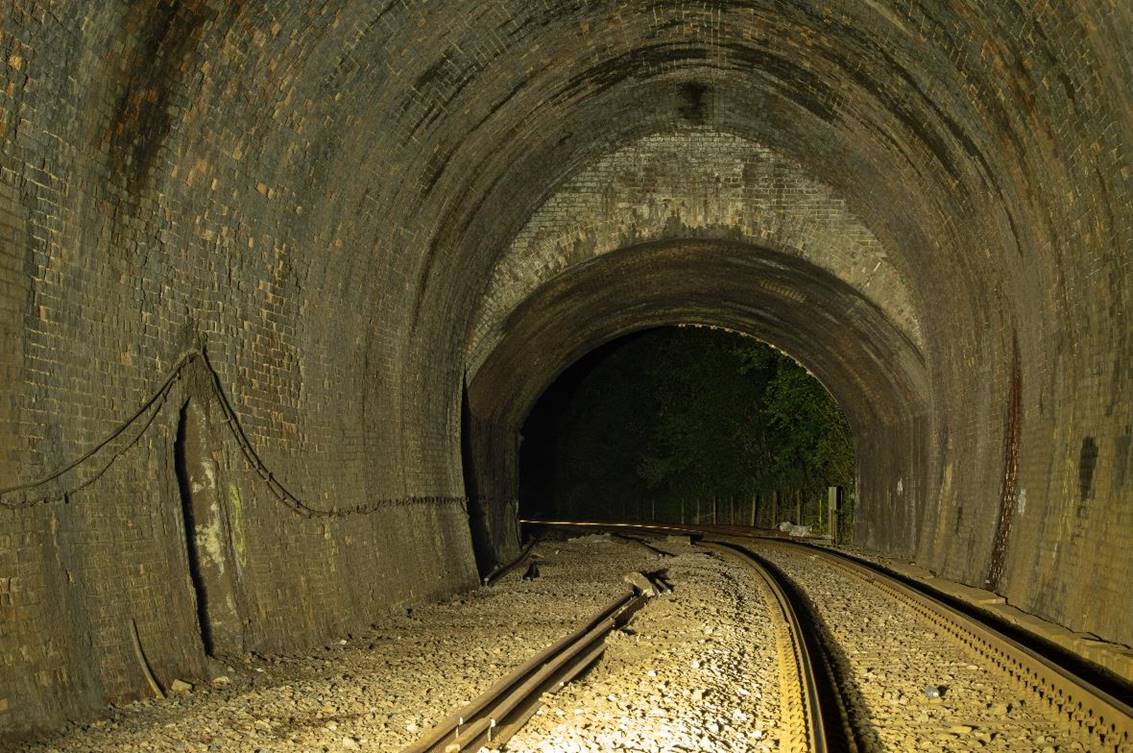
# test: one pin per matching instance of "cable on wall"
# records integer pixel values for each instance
(148, 412)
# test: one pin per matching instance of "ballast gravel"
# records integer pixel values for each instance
(894, 656)
(693, 671)
(696, 671)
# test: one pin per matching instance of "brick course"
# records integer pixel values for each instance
(321, 195)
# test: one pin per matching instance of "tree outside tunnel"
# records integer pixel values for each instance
(685, 424)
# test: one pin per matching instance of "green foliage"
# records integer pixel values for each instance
(809, 433)
(680, 414)
(737, 417)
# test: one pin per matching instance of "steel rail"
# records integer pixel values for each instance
(505, 568)
(645, 545)
(498, 713)
(1092, 712)
(801, 707)
(1088, 710)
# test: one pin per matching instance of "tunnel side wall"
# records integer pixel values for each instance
(133, 229)
(318, 193)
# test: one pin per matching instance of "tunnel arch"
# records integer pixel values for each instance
(872, 368)
(556, 437)
(323, 194)
(691, 182)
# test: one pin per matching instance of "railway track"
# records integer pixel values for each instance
(507, 567)
(814, 717)
(497, 714)
(811, 716)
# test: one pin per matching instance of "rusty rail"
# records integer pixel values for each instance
(1096, 715)
(498, 713)
(802, 715)
(492, 577)
(1089, 711)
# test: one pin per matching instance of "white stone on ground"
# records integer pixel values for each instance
(695, 672)
(380, 690)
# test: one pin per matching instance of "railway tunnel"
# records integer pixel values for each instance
(281, 282)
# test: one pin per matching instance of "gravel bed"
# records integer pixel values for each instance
(894, 655)
(379, 690)
(696, 671)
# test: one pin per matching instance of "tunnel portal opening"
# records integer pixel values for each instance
(869, 365)
(687, 425)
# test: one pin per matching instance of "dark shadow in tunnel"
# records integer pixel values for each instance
(543, 441)
(478, 512)
(684, 425)
(181, 462)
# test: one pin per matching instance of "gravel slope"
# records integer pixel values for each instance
(694, 671)
(378, 691)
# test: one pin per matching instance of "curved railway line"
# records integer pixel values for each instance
(816, 714)
(498, 713)
(812, 718)
(815, 718)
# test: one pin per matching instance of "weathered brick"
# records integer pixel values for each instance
(331, 199)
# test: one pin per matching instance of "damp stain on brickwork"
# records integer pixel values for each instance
(163, 54)
(1008, 494)
(1087, 463)
(1123, 453)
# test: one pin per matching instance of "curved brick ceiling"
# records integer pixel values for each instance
(869, 365)
(695, 182)
(321, 195)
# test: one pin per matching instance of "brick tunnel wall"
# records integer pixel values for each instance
(150, 207)
(695, 182)
(319, 196)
